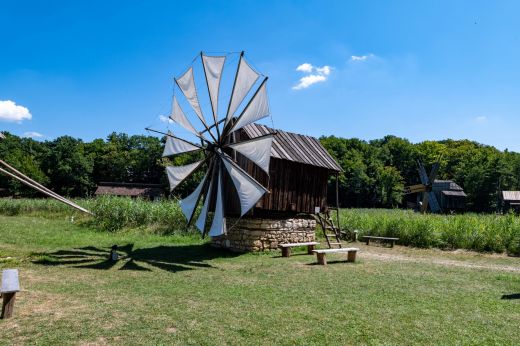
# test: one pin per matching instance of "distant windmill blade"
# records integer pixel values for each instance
(434, 171)
(422, 174)
(434, 204)
(210, 191)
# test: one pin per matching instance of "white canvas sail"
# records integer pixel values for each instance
(218, 225)
(201, 220)
(246, 78)
(176, 146)
(257, 109)
(249, 190)
(257, 150)
(187, 85)
(213, 66)
(189, 203)
(176, 174)
(180, 118)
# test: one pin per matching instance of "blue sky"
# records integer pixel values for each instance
(415, 69)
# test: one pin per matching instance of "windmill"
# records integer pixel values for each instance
(11, 172)
(425, 187)
(217, 141)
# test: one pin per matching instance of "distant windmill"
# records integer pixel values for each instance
(11, 172)
(426, 186)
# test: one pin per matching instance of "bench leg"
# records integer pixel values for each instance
(286, 251)
(321, 258)
(7, 305)
(368, 241)
(309, 249)
(392, 243)
(351, 256)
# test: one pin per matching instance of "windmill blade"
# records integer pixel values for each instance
(187, 85)
(434, 171)
(256, 109)
(218, 225)
(248, 189)
(422, 174)
(189, 204)
(424, 206)
(213, 67)
(180, 118)
(245, 78)
(434, 204)
(201, 220)
(177, 174)
(175, 146)
(257, 150)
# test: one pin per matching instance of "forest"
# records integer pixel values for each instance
(374, 172)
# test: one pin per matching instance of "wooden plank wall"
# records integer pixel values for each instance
(293, 187)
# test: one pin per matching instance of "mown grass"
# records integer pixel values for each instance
(178, 290)
(480, 232)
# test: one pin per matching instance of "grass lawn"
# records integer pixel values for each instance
(178, 290)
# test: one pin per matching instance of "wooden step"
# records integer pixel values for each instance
(330, 235)
(335, 243)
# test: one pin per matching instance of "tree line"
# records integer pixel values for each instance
(374, 172)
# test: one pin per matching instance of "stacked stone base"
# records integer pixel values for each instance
(254, 234)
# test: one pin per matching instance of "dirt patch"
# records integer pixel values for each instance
(444, 262)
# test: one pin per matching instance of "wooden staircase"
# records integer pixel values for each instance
(330, 231)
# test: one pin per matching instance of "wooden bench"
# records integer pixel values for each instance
(351, 254)
(387, 239)
(10, 285)
(286, 248)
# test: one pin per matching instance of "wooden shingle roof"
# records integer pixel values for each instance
(130, 189)
(295, 147)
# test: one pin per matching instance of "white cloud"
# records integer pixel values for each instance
(165, 119)
(481, 119)
(32, 134)
(361, 57)
(325, 70)
(315, 75)
(11, 112)
(305, 67)
(307, 81)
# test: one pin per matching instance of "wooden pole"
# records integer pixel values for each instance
(57, 197)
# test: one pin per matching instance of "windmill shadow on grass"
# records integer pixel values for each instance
(169, 258)
(511, 296)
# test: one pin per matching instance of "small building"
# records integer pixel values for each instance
(299, 171)
(133, 190)
(510, 200)
(450, 195)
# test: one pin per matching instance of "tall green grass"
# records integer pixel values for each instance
(496, 233)
(110, 213)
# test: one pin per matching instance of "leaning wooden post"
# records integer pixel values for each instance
(10, 286)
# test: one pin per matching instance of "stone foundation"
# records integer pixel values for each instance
(254, 234)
